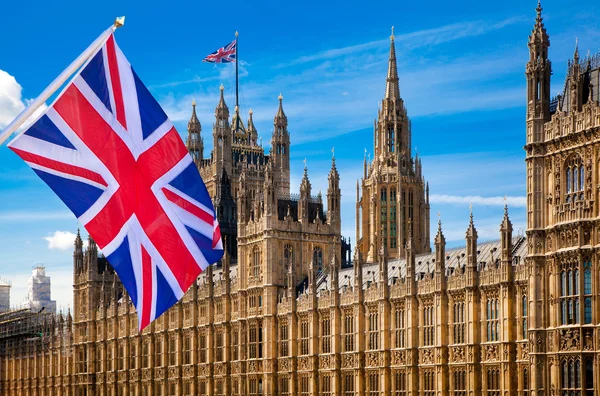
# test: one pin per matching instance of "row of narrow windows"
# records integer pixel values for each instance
(574, 179)
(254, 345)
(574, 380)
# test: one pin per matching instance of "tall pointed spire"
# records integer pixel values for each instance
(280, 116)
(222, 108)
(539, 34)
(194, 142)
(440, 248)
(506, 237)
(392, 88)
(305, 183)
(194, 122)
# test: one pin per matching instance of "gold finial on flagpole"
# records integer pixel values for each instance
(119, 22)
(236, 33)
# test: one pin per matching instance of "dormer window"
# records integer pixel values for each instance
(574, 179)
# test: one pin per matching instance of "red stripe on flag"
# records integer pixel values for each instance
(60, 166)
(115, 79)
(188, 206)
(146, 305)
(217, 237)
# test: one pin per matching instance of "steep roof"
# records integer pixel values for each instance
(488, 254)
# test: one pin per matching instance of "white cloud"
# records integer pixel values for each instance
(61, 240)
(11, 103)
(412, 40)
(477, 200)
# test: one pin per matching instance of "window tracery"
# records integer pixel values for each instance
(574, 179)
(318, 259)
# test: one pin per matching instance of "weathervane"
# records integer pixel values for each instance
(333, 152)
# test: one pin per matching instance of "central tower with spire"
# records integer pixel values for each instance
(394, 193)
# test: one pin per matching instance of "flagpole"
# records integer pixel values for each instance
(237, 104)
(59, 81)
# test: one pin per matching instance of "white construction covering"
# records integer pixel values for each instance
(38, 296)
(4, 295)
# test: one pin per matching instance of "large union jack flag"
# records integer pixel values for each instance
(225, 54)
(110, 153)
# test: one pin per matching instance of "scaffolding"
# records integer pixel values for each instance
(24, 332)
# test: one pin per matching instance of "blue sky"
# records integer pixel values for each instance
(461, 67)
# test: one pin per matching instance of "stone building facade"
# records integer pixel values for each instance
(286, 313)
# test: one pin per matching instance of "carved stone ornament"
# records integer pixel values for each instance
(347, 361)
(304, 363)
(372, 359)
(569, 340)
(284, 364)
(324, 361)
(588, 340)
(458, 354)
(398, 358)
(252, 366)
(524, 351)
(491, 352)
(173, 372)
(219, 369)
(426, 356)
(203, 370)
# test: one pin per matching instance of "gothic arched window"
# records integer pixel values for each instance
(524, 317)
(570, 293)
(587, 292)
(318, 259)
(574, 178)
(384, 210)
(391, 140)
(571, 377)
(393, 241)
(492, 321)
(255, 262)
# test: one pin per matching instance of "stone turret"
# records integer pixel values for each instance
(194, 142)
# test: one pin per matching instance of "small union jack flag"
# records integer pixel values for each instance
(225, 54)
(108, 150)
